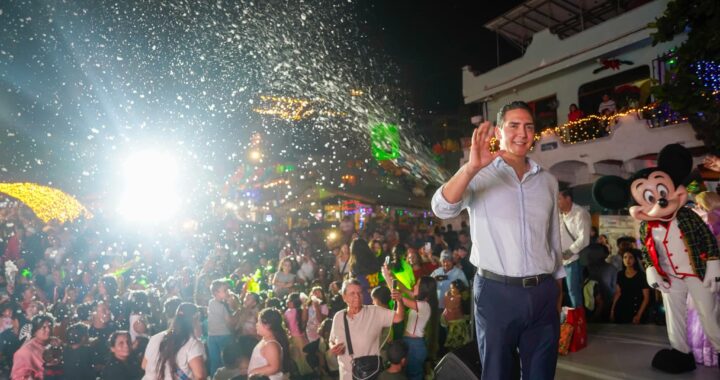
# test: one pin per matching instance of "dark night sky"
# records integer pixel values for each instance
(84, 82)
(431, 41)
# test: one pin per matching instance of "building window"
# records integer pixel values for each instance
(545, 112)
(629, 89)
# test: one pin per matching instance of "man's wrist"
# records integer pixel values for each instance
(468, 172)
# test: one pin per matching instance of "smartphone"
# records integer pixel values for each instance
(428, 247)
(387, 260)
(441, 277)
(395, 284)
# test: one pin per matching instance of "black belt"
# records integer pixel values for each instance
(525, 282)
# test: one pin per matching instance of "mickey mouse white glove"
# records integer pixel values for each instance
(712, 276)
(656, 281)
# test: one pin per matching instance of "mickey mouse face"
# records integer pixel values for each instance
(657, 197)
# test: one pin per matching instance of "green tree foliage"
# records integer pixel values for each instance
(685, 93)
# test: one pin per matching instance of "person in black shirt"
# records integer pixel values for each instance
(632, 292)
(77, 358)
(121, 365)
(9, 341)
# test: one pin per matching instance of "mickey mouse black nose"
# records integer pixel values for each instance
(663, 202)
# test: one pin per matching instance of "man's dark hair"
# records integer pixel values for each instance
(397, 351)
(170, 306)
(382, 294)
(76, 333)
(518, 104)
(567, 193)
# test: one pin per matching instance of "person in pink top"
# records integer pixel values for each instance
(28, 360)
(296, 326)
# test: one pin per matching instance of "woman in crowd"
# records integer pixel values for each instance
(454, 317)
(632, 292)
(108, 291)
(296, 326)
(308, 267)
(177, 353)
(364, 267)
(247, 315)
(120, 365)
(709, 206)
(269, 357)
(316, 310)
(342, 256)
(139, 314)
(32, 309)
(421, 263)
(423, 316)
(575, 113)
(28, 360)
(284, 279)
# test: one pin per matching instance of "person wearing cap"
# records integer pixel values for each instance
(515, 229)
(446, 274)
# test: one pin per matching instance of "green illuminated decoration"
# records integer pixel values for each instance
(385, 141)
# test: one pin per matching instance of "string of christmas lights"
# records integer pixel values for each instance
(709, 74)
(293, 109)
(46, 202)
(592, 127)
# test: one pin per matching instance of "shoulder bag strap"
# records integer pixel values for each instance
(568, 230)
(347, 334)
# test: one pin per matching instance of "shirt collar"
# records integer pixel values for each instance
(534, 167)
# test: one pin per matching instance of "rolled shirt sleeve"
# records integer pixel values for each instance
(444, 209)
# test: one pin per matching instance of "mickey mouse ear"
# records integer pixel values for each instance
(611, 192)
(676, 161)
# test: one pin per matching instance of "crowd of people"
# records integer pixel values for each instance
(78, 302)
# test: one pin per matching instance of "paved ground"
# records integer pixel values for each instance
(623, 352)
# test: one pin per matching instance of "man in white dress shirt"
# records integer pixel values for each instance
(515, 229)
(575, 226)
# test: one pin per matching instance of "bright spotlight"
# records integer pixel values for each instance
(332, 236)
(150, 187)
(255, 155)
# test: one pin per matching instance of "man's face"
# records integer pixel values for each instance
(564, 203)
(353, 296)
(517, 133)
(447, 265)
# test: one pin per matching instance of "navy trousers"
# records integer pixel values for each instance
(512, 320)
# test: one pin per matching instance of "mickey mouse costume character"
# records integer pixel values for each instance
(680, 252)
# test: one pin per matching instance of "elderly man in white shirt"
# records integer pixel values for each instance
(515, 229)
(574, 236)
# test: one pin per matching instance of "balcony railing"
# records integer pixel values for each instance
(594, 127)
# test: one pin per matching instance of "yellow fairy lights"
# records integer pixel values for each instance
(285, 108)
(46, 202)
(593, 126)
(293, 109)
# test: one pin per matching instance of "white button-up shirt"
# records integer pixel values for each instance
(577, 234)
(514, 224)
